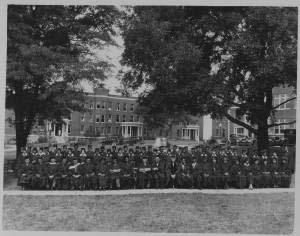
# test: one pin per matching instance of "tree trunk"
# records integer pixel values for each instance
(21, 140)
(263, 138)
(22, 130)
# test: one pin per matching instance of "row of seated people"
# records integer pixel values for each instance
(158, 170)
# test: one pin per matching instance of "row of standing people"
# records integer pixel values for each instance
(105, 169)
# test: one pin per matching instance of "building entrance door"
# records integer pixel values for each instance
(134, 131)
(192, 134)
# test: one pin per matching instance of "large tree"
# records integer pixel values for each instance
(206, 60)
(49, 54)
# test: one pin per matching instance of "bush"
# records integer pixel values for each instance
(42, 139)
(212, 141)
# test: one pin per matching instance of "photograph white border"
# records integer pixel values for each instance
(3, 39)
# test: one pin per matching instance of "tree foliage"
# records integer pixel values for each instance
(206, 60)
(49, 54)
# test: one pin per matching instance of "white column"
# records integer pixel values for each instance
(67, 129)
(54, 129)
(207, 127)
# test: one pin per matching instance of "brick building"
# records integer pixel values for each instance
(108, 115)
(284, 113)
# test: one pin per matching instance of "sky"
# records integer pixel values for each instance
(113, 55)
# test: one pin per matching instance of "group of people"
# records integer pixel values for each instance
(74, 168)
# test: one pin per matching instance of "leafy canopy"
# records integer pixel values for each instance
(205, 60)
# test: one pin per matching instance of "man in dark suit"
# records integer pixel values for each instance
(158, 172)
(171, 170)
(196, 173)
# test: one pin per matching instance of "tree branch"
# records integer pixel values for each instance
(229, 101)
(238, 122)
(286, 101)
(282, 123)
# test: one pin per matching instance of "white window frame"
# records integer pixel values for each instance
(98, 118)
(236, 130)
(280, 128)
(81, 129)
(103, 106)
(109, 119)
(280, 98)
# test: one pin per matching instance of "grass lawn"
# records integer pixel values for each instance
(197, 213)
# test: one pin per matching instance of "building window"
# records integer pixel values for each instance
(98, 106)
(103, 105)
(102, 130)
(117, 130)
(124, 107)
(118, 106)
(124, 118)
(82, 128)
(102, 118)
(91, 118)
(239, 131)
(138, 118)
(82, 117)
(109, 105)
(96, 130)
(131, 118)
(131, 107)
(280, 98)
(280, 128)
(108, 129)
(97, 119)
(91, 106)
(69, 129)
(118, 118)
(109, 118)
